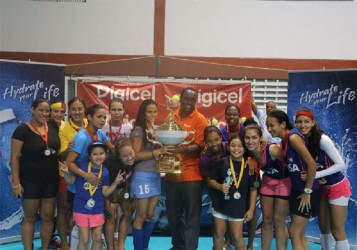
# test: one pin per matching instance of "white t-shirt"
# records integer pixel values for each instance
(118, 132)
(262, 117)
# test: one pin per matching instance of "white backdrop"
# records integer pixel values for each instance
(224, 28)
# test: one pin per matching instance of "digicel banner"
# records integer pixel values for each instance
(212, 98)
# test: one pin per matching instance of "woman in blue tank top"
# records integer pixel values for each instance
(336, 189)
(305, 195)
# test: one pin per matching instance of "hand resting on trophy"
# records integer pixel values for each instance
(164, 150)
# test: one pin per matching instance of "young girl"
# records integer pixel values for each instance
(88, 206)
(336, 191)
(232, 116)
(125, 154)
(214, 150)
(275, 186)
(305, 195)
(145, 186)
(115, 129)
(231, 183)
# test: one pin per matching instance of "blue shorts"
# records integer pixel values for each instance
(145, 185)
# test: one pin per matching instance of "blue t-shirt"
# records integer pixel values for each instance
(82, 191)
(81, 142)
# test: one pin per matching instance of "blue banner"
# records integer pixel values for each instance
(20, 84)
(331, 95)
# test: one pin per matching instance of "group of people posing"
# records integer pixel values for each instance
(101, 173)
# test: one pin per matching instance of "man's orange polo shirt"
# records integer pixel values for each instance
(190, 170)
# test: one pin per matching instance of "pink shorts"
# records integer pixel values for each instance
(275, 187)
(88, 220)
(336, 191)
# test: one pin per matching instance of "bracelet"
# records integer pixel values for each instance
(18, 185)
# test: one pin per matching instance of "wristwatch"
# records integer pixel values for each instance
(307, 190)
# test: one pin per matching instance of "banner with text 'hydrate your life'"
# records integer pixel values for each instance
(20, 84)
(331, 95)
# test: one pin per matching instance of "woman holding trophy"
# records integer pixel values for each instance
(145, 186)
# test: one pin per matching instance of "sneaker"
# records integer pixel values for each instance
(54, 243)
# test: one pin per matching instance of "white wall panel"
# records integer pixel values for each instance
(211, 28)
(123, 27)
(262, 29)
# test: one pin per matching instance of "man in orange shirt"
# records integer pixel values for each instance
(184, 190)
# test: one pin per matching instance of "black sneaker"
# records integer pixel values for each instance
(54, 243)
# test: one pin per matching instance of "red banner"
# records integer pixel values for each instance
(212, 98)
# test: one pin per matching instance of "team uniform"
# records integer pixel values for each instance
(88, 210)
(145, 181)
(226, 134)
(295, 166)
(328, 162)
(276, 181)
(38, 169)
(231, 209)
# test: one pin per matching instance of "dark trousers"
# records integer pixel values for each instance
(183, 206)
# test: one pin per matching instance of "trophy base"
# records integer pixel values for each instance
(170, 166)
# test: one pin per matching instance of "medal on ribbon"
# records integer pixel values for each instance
(92, 188)
(236, 195)
(44, 137)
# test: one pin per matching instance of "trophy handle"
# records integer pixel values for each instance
(150, 139)
(188, 133)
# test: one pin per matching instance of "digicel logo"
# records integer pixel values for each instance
(126, 93)
(209, 98)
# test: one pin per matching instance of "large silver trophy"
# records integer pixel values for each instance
(169, 133)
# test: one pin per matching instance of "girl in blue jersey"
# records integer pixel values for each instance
(96, 115)
(275, 186)
(305, 195)
(88, 206)
(336, 189)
